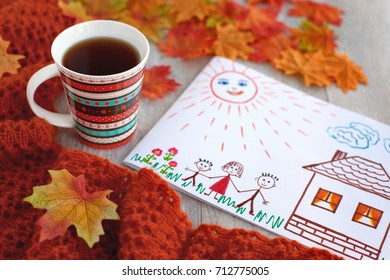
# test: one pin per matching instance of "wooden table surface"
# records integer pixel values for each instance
(364, 35)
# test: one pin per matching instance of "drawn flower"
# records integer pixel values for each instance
(173, 150)
(172, 163)
(157, 152)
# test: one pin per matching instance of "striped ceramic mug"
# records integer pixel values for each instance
(104, 109)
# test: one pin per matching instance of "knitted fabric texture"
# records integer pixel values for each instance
(152, 225)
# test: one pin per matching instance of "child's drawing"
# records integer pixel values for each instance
(202, 165)
(387, 144)
(356, 135)
(232, 168)
(265, 181)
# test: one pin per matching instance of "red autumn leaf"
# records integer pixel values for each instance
(187, 40)
(271, 48)
(156, 82)
(319, 13)
(262, 22)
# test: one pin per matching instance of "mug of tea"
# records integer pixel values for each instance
(101, 65)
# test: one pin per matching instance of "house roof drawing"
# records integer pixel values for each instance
(355, 171)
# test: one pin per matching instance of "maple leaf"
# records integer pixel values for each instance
(224, 12)
(232, 43)
(151, 26)
(68, 203)
(310, 65)
(260, 21)
(144, 7)
(187, 40)
(313, 37)
(319, 13)
(8, 62)
(184, 10)
(268, 49)
(345, 72)
(74, 9)
(156, 82)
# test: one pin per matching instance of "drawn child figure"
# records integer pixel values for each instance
(265, 181)
(202, 166)
(232, 168)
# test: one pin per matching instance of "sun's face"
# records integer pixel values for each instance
(233, 87)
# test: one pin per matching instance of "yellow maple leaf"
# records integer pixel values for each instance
(184, 10)
(232, 43)
(74, 9)
(68, 203)
(8, 62)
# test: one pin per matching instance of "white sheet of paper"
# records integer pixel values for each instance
(278, 158)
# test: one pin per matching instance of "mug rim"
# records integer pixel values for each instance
(141, 64)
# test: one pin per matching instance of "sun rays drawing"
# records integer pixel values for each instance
(246, 110)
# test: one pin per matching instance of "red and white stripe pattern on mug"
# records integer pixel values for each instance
(105, 110)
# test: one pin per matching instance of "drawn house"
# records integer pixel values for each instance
(346, 205)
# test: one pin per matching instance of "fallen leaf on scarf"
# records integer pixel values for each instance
(312, 37)
(232, 43)
(319, 13)
(67, 203)
(156, 82)
(8, 62)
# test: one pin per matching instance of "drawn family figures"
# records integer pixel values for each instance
(265, 181)
(202, 166)
(232, 168)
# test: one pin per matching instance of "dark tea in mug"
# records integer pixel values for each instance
(101, 56)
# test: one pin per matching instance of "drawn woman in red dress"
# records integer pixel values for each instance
(232, 168)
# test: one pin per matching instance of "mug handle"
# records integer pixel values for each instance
(46, 73)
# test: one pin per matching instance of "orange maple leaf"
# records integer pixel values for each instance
(187, 40)
(310, 65)
(232, 43)
(156, 82)
(261, 22)
(68, 203)
(84, 10)
(144, 7)
(151, 25)
(319, 13)
(312, 37)
(8, 62)
(184, 10)
(345, 72)
(268, 49)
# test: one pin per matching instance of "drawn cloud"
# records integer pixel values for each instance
(387, 144)
(356, 135)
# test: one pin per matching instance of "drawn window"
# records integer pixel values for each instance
(367, 215)
(327, 200)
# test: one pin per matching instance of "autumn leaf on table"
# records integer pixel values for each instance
(310, 65)
(184, 10)
(224, 12)
(232, 43)
(312, 37)
(8, 62)
(144, 7)
(345, 72)
(261, 22)
(319, 13)
(187, 40)
(67, 203)
(156, 82)
(150, 25)
(84, 10)
(271, 48)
